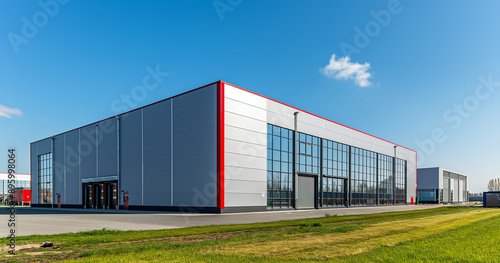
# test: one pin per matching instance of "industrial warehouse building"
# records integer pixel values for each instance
(438, 185)
(219, 148)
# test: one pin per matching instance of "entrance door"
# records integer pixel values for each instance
(101, 195)
(112, 195)
(306, 194)
(89, 194)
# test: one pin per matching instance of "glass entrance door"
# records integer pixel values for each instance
(100, 195)
(89, 194)
(112, 195)
(99, 189)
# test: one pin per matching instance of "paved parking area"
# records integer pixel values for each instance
(43, 221)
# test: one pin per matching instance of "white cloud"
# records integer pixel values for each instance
(343, 68)
(9, 112)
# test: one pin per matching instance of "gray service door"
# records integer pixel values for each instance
(306, 192)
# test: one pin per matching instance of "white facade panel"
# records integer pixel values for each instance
(362, 144)
(239, 173)
(411, 176)
(244, 109)
(246, 136)
(245, 122)
(245, 199)
(237, 94)
(309, 128)
(248, 149)
(245, 161)
(245, 148)
(279, 115)
(339, 137)
(244, 116)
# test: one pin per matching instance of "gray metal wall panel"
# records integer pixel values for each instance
(157, 157)
(131, 156)
(107, 148)
(34, 173)
(44, 146)
(72, 191)
(428, 178)
(88, 152)
(195, 148)
(58, 162)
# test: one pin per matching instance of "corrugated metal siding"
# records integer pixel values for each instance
(73, 188)
(44, 146)
(157, 157)
(88, 152)
(131, 156)
(195, 148)
(58, 162)
(107, 148)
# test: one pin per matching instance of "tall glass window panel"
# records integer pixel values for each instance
(279, 167)
(45, 178)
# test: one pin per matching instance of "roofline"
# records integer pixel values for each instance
(189, 91)
(444, 169)
(221, 81)
(319, 116)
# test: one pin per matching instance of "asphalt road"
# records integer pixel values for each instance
(43, 221)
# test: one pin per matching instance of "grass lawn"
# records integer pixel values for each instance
(447, 234)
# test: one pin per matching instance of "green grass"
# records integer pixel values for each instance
(470, 234)
(478, 242)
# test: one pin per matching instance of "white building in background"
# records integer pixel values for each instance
(21, 181)
(438, 185)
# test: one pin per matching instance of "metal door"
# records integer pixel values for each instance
(306, 194)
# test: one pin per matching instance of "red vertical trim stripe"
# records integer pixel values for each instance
(220, 145)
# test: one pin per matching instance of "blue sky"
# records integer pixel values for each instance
(420, 65)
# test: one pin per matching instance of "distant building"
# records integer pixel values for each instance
(491, 199)
(476, 198)
(438, 185)
(21, 181)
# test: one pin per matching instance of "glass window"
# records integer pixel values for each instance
(279, 167)
(45, 178)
